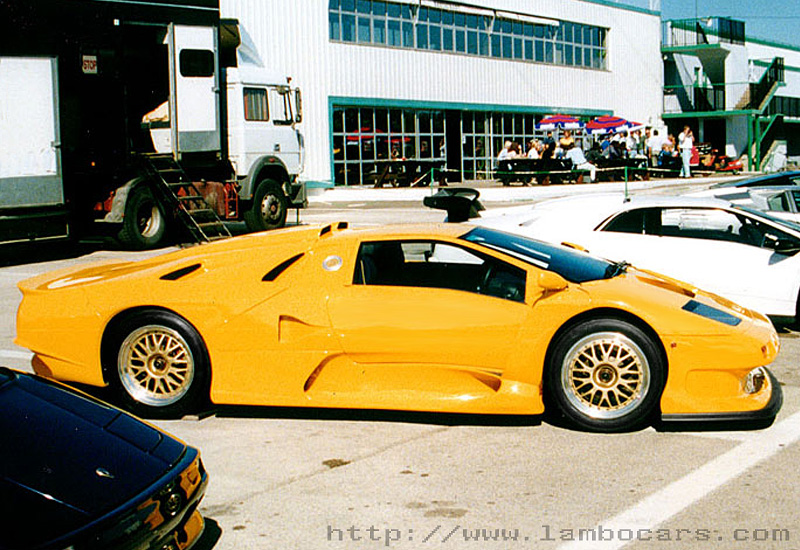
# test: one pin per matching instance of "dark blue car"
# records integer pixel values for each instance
(77, 473)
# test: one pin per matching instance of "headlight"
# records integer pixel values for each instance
(703, 310)
(755, 379)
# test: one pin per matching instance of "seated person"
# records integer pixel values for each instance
(533, 149)
(579, 162)
(566, 140)
(668, 158)
(595, 153)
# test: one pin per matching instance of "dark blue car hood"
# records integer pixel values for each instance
(67, 458)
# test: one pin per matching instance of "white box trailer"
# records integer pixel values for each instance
(126, 113)
(30, 164)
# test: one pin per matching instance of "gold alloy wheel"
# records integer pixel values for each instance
(155, 365)
(605, 375)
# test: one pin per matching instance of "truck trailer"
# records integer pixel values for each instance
(156, 120)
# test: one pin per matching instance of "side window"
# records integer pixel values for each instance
(430, 264)
(196, 63)
(643, 221)
(779, 202)
(255, 104)
(702, 223)
(720, 225)
(795, 200)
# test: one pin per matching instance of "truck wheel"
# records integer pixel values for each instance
(269, 207)
(144, 225)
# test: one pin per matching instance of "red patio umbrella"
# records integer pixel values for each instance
(559, 121)
(609, 124)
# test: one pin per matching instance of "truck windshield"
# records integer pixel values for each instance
(573, 265)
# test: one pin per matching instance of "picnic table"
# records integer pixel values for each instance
(542, 171)
(409, 172)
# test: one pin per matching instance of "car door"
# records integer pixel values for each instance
(724, 251)
(429, 310)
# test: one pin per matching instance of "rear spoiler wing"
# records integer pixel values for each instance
(460, 203)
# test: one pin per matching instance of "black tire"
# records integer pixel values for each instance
(605, 375)
(157, 365)
(144, 225)
(269, 207)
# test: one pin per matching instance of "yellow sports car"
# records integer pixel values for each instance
(414, 317)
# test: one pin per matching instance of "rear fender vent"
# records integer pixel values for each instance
(178, 273)
(280, 268)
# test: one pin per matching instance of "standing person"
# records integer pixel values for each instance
(654, 143)
(685, 144)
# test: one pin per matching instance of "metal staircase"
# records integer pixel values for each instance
(187, 204)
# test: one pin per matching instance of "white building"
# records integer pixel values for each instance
(739, 93)
(428, 79)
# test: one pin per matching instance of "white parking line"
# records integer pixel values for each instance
(679, 495)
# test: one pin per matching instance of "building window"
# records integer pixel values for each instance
(365, 138)
(411, 26)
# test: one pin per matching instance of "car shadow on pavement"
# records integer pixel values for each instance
(375, 415)
(717, 426)
(212, 533)
(552, 418)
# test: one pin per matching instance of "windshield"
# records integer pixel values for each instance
(574, 266)
(761, 214)
(773, 180)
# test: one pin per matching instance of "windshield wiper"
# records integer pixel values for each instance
(616, 268)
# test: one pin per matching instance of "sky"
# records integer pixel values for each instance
(773, 20)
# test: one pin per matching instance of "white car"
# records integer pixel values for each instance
(780, 202)
(740, 253)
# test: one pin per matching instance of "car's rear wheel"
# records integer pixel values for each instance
(605, 375)
(160, 365)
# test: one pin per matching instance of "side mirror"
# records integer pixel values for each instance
(298, 103)
(787, 247)
(551, 282)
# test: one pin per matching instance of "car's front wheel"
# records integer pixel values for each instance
(160, 365)
(605, 375)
